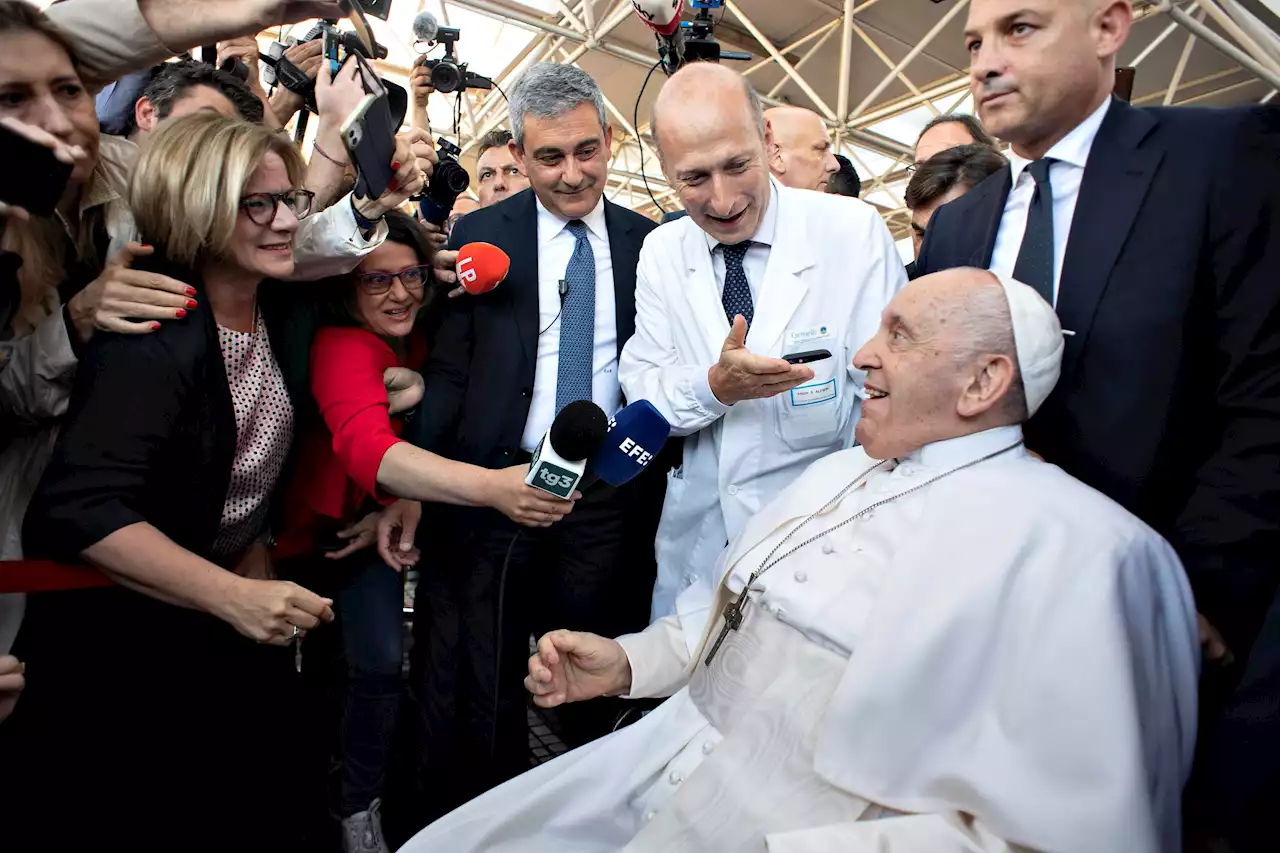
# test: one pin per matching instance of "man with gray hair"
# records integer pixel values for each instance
(503, 365)
(931, 643)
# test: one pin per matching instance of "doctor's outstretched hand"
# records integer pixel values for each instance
(742, 375)
(571, 666)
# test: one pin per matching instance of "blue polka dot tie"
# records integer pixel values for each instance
(577, 322)
(737, 292)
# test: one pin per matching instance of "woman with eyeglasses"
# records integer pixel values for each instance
(181, 676)
(352, 463)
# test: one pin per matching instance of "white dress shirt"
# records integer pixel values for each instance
(1065, 176)
(757, 257)
(555, 247)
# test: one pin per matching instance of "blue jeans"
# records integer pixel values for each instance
(369, 608)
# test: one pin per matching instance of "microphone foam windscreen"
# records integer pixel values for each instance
(578, 430)
(637, 434)
(481, 267)
(424, 27)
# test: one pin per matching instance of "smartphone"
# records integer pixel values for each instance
(807, 356)
(35, 177)
(1124, 83)
(370, 139)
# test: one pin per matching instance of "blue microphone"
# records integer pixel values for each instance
(636, 435)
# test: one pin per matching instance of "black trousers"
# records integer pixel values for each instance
(487, 586)
(148, 727)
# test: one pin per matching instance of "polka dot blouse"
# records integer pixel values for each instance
(264, 430)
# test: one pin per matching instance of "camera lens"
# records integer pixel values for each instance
(445, 77)
(455, 177)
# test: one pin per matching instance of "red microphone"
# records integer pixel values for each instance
(481, 267)
(661, 16)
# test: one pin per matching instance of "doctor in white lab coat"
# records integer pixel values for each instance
(819, 270)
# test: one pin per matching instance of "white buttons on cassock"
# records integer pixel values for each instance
(708, 747)
(800, 576)
(733, 490)
(690, 579)
(828, 548)
(675, 778)
(648, 816)
(869, 513)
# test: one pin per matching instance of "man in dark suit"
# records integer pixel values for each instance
(1155, 233)
(502, 366)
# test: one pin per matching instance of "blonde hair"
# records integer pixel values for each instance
(188, 182)
(42, 241)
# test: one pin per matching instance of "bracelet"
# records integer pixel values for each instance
(364, 223)
(320, 151)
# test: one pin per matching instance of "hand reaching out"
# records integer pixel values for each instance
(397, 527)
(743, 375)
(129, 301)
(69, 154)
(12, 682)
(571, 666)
(522, 503)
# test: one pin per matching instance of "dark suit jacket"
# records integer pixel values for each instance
(1169, 400)
(479, 375)
(150, 433)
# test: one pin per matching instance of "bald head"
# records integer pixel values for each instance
(713, 143)
(943, 364)
(800, 155)
(700, 93)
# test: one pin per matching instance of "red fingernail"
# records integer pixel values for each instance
(155, 327)
(145, 245)
(180, 313)
(191, 303)
(395, 164)
(191, 291)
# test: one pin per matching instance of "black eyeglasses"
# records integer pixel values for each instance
(413, 278)
(261, 207)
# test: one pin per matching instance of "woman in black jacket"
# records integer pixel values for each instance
(163, 478)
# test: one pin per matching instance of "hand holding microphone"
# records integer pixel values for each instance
(476, 268)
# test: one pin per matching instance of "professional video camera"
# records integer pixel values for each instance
(448, 181)
(681, 42)
(447, 73)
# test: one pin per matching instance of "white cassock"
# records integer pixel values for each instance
(831, 268)
(1001, 660)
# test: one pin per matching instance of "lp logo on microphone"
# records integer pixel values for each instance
(466, 273)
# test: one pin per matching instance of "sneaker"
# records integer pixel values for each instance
(362, 832)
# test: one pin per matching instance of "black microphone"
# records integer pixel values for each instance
(560, 460)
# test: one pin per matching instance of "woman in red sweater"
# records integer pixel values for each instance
(352, 461)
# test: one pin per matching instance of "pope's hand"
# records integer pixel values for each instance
(571, 666)
(12, 681)
(743, 375)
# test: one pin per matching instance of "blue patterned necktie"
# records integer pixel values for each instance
(737, 292)
(1035, 257)
(577, 322)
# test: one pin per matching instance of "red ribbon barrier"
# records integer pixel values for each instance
(47, 576)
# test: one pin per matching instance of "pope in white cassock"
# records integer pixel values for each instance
(931, 642)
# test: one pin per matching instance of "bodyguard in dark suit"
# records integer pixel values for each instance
(503, 365)
(1155, 233)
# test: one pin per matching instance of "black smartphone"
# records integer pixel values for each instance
(35, 178)
(807, 356)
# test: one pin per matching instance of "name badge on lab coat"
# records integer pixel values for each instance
(811, 395)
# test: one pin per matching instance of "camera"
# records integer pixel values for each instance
(448, 181)
(447, 73)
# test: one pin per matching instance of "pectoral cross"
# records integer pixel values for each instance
(732, 613)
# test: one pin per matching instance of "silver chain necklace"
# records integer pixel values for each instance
(734, 611)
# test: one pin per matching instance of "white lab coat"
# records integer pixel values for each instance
(831, 271)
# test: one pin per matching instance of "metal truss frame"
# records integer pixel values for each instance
(1242, 30)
